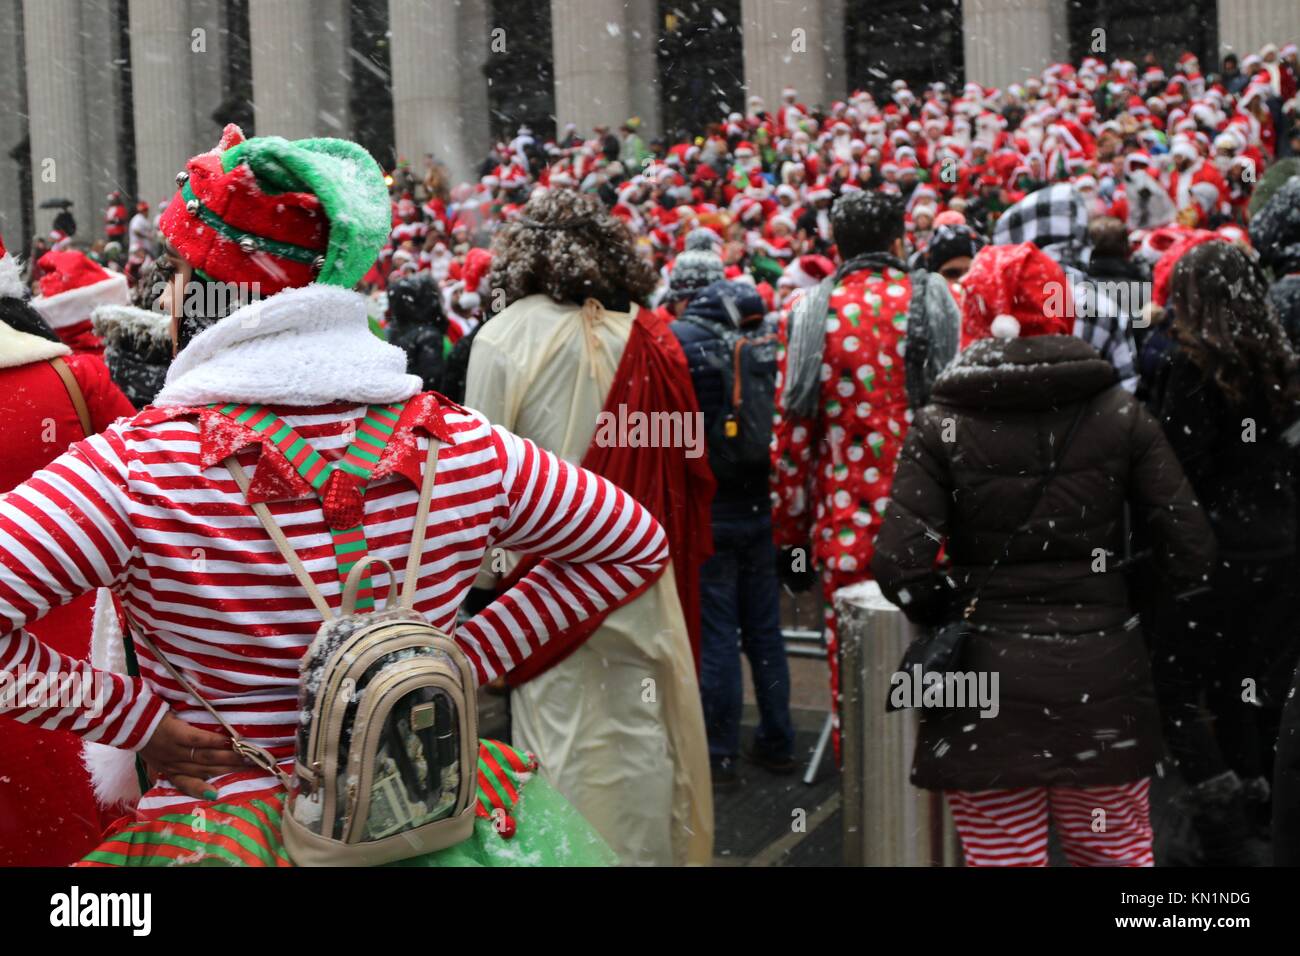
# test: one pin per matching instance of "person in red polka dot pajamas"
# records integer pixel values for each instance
(845, 393)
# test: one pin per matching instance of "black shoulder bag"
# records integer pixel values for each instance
(941, 650)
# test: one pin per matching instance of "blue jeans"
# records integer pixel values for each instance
(740, 607)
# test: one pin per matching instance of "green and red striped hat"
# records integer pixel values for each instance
(278, 213)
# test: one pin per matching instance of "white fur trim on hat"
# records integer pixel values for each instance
(1005, 327)
(75, 305)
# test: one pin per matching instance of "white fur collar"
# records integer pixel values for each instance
(308, 346)
(20, 348)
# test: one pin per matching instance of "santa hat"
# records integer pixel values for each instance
(806, 271)
(1014, 291)
(1185, 148)
(1163, 273)
(477, 264)
(278, 213)
(72, 285)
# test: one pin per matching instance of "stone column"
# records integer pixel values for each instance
(475, 26)
(207, 68)
(643, 66)
(283, 39)
(1007, 41)
(13, 128)
(605, 68)
(166, 124)
(785, 45)
(104, 53)
(837, 66)
(439, 91)
(333, 67)
(56, 82)
(1246, 25)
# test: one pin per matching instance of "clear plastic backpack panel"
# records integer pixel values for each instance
(417, 764)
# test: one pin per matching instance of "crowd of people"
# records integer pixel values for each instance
(1025, 356)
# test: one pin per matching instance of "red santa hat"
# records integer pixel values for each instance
(821, 190)
(1014, 291)
(72, 285)
(477, 264)
(806, 271)
(1163, 273)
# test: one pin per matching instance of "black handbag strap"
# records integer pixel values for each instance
(1052, 467)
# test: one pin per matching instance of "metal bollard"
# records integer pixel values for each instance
(887, 821)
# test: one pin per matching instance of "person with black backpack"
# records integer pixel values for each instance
(731, 351)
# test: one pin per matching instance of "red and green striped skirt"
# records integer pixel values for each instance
(521, 820)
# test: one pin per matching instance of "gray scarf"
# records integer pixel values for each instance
(807, 336)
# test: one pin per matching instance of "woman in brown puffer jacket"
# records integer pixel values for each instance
(1075, 731)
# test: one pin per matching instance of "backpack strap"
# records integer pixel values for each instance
(413, 560)
(300, 571)
(281, 542)
(258, 756)
(75, 393)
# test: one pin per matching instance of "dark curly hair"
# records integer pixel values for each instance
(567, 246)
(1224, 321)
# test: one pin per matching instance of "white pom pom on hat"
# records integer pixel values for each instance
(469, 301)
(1005, 327)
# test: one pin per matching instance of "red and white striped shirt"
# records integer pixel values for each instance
(147, 509)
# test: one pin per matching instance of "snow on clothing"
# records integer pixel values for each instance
(417, 326)
(1247, 487)
(1275, 233)
(147, 510)
(1056, 220)
(48, 815)
(137, 349)
(705, 351)
(637, 769)
(1009, 827)
(831, 473)
(1077, 707)
(1242, 628)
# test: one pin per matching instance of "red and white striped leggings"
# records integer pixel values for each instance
(1097, 826)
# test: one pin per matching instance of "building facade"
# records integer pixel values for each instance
(114, 95)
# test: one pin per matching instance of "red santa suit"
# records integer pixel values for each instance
(42, 779)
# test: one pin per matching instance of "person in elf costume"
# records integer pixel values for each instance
(295, 387)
